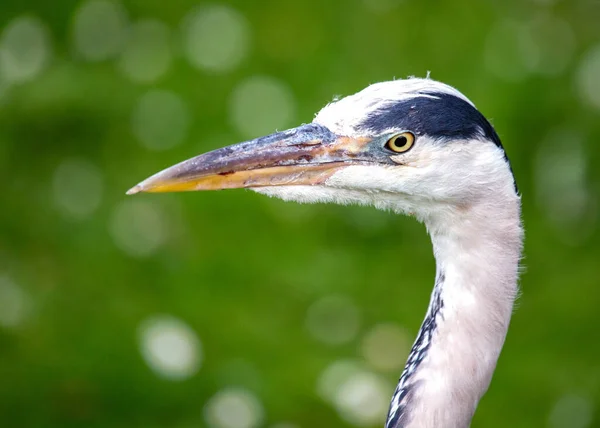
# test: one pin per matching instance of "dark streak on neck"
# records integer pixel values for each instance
(399, 413)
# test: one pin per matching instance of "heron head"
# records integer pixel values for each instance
(408, 145)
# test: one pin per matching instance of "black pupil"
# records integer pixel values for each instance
(400, 141)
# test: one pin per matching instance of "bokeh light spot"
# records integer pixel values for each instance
(333, 320)
(160, 120)
(138, 227)
(543, 45)
(548, 44)
(4, 90)
(386, 346)
(363, 399)
(587, 77)
(360, 396)
(234, 408)
(147, 54)
(14, 303)
(260, 105)
(216, 38)
(334, 376)
(507, 44)
(99, 29)
(170, 347)
(77, 188)
(571, 411)
(25, 49)
(284, 425)
(561, 185)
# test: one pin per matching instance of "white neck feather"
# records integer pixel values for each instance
(477, 250)
(464, 193)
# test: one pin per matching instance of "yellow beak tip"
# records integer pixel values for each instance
(135, 189)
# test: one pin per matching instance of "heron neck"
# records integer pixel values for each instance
(477, 251)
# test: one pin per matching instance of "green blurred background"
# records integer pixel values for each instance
(233, 310)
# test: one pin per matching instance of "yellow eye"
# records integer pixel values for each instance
(401, 143)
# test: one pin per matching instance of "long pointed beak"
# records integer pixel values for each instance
(306, 155)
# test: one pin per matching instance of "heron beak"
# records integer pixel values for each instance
(306, 155)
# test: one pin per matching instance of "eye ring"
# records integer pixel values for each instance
(401, 143)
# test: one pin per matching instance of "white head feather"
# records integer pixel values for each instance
(463, 190)
(343, 116)
(427, 180)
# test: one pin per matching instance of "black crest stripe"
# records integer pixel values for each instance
(439, 115)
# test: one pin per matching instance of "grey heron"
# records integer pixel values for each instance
(416, 147)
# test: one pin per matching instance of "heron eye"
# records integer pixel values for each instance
(401, 143)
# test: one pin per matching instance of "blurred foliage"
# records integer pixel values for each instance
(241, 270)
